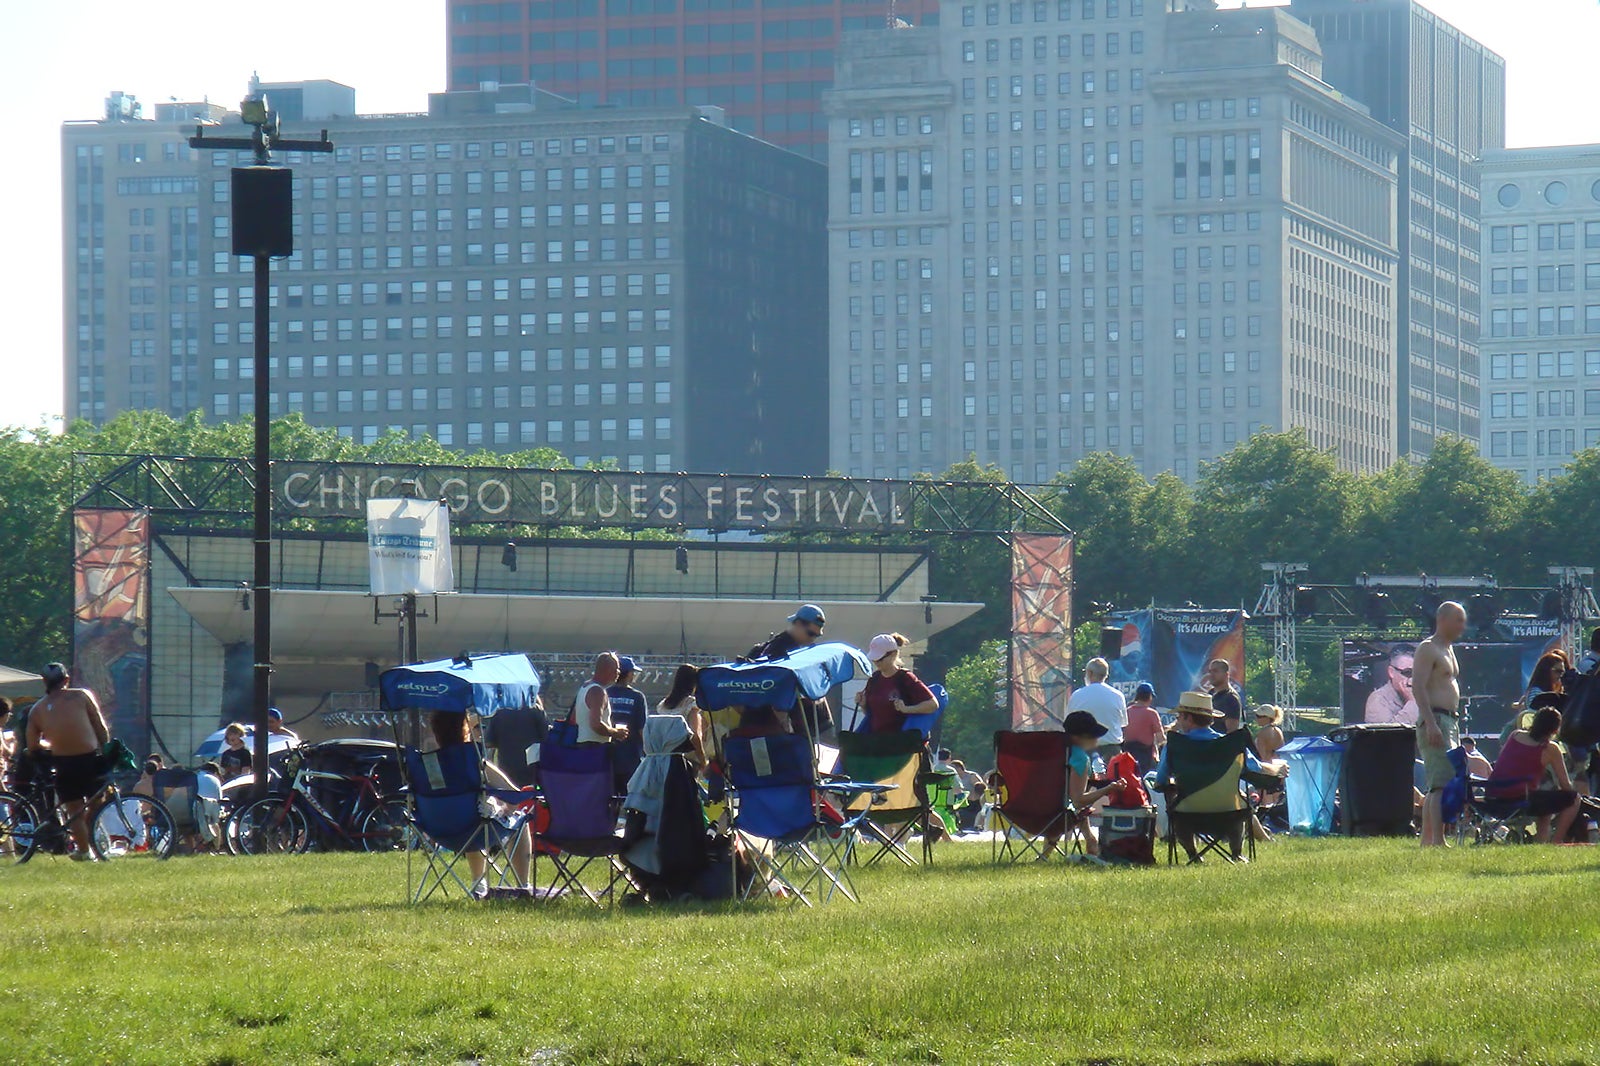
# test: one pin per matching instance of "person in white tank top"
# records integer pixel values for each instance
(592, 713)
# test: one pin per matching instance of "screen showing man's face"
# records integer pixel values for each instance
(1400, 676)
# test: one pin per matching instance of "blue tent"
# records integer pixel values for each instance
(485, 684)
(811, 671)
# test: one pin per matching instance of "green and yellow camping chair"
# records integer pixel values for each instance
(898, 761)
(1205, 806)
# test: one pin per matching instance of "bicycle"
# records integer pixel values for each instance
(122, 824)
(279, 823)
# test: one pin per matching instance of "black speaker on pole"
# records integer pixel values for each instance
(263, 211)
(1111, 642)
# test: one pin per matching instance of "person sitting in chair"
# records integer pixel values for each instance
(1197, 718)
(1526, 764)
(1083, 737)
(450, 729)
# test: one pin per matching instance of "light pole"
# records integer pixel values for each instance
(262, 197)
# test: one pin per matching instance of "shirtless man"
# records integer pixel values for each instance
(68, 724)
(1435, 685)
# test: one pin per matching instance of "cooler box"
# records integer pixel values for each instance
(1313, 783)
(1128, 835)
(1376, 784)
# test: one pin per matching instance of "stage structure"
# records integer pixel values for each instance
(669, 568)
(1531, 617)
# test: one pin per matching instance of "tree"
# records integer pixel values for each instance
(977, 709)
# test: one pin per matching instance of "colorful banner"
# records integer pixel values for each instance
(408, 547)
(111, 618)
(1375, 683)
(1041, 629)
(1170, 647)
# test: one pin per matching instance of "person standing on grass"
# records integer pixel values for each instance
(1436, 686)
(628, 708)
(1143, 736)
(893, 692)
(1225, 697)
(68, 727)
(1102, 703)
(592, 709)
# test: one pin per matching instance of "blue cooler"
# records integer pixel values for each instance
(1313, 783)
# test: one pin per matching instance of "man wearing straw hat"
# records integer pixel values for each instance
(1197, 720)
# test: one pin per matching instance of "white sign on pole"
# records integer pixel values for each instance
(408, 546)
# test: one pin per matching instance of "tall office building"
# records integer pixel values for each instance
(502, 271)
(1541, 279)
(767, 62)
(1446, 94)
(1104, 225)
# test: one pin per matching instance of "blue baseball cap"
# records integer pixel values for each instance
(626, 665)
(1145, 689)
(809, 612)
(274, 714)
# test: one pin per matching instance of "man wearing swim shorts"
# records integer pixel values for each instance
(1435, 685)
(67, 726)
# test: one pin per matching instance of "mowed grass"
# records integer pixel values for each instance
(1323, 951)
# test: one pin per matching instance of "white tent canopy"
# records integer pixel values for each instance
(20, 683)
(312, 626)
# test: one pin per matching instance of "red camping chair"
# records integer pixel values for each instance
(1031, 810)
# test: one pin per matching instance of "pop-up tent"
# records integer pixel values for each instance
(20, 683)
(811, 672)
(1313, 783)
(482, 684)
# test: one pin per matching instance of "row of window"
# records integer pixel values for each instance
(1557, 321)
(422, 256)
(1546, 403)
(1513, 444)
(1555, 278)
(1088, 46)
(1043, 11)
(1515, 366)
(421, 327)
(1014, 87)
(348, 293)
(442, 398)
(472, 182)
(444, 150)
(443, 364)
(1547, 236)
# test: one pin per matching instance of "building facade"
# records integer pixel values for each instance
(504, 271)
(1446, 95)
(1541, 280)
(1104, 225)
(767, 62)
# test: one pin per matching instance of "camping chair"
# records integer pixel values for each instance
(576, 786)
(1492, 819)
(888, 818)
(1204, 801)
(1031, 811)
(193, 819)
(941, 787)
(448, 801)
(778, 820)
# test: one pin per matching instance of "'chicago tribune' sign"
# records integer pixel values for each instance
(600, 498)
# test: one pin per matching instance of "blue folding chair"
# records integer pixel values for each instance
(779, 820)
(448, 803)
(577, 788)
(927, 723)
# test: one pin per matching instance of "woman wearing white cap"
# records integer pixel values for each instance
(891, 692)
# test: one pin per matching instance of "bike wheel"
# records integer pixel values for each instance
(270, 827)
(387, 827)
(18, 840)
(129, 826)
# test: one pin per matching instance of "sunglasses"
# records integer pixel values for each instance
(1403, 673)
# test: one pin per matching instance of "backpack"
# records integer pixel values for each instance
(1580, 719)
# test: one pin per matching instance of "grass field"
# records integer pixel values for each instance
(1323, 951)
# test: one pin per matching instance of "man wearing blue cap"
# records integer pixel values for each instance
(628, 708)
(805, 629)
(276, 727)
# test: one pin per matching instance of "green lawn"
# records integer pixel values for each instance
(1323, 951)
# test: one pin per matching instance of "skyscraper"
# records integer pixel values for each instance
(1104, 225)
(1541, 337)
(502, 271)
(767, 62)
(1446, 94)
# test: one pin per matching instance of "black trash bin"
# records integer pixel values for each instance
(1376, 786)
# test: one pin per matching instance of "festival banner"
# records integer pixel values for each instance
(408, 547)
(111, 617)
(1041, 629)
(1170, 647)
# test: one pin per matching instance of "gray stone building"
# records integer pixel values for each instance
(1541, 284)
(1445, 94)
(1104, 225)
(503, 271)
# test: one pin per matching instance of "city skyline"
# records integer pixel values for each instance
(401, 61)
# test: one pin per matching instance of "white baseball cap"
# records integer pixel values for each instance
(881, 645)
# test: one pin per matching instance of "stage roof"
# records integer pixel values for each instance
(313, 626)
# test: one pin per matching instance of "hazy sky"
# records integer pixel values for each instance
(59, 58)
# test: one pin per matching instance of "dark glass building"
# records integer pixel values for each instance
(767, 62)
(1446, 93)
